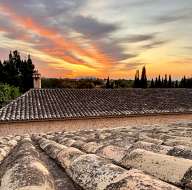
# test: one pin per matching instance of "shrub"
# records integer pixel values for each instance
(8, 93)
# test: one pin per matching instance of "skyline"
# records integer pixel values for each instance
(81, 38)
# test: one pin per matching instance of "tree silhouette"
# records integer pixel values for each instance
(159, 82)
(137, 81)
(165, 82)
(108, 83)
(17, 72)
(152, 84)
(143, 81)
(184, 82)
(156, 82)
(170, 82)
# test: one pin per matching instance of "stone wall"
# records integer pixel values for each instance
(70, 125)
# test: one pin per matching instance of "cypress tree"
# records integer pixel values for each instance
(137, 81)
(184, 82)
(108, 83)
(152, 84)
(159, 82)
(170, 82)
(181, 83)
(143, 78)
(162, 82)
(165, 81)
(156, 82)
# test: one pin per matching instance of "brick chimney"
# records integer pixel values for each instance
(36, 80)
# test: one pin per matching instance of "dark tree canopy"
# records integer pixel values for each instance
(17, 72)
(160, 82)
(73, 83)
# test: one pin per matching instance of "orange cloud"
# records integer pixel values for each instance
(93, 53)
(60, 54)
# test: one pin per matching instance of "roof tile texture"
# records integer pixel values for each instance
(99, 159)
(44, 104)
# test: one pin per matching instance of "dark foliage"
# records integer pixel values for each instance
(8, 93)
(137, 80)
(108, 83)
(160, 82)
(72, 83)
(163, 83)
(152, 84)
(185, 83)
(17, 72)
(123, 83)
(143, 82)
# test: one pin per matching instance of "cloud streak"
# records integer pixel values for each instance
(154, 44)
(91, 27)
(58, 40)
(72, 36)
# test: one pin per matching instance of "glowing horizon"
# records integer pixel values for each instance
(81, 38)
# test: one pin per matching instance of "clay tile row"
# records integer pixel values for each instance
(93, 172)
(38, 104)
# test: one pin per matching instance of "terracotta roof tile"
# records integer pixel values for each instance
(69, 160)
(44, 104)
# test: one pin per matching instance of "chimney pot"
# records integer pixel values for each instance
(36, 80)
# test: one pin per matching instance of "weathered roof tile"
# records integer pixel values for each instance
(91, 159)
(46, 104)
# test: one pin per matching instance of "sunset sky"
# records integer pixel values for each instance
(100, 38)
